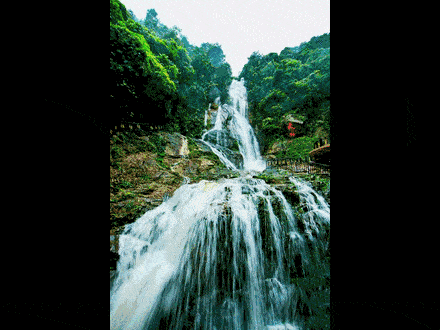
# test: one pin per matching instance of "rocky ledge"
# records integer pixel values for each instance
(145, 170)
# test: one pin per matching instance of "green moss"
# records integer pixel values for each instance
(192, 146)
(213, 157)
(116, 152)
(126, 184)
(269, 178)
(146, 177)
(235, 146)
(297, 148)
(159, 144)
(195, 154)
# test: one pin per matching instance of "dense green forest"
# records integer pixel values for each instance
(297, 83)
(157, 77)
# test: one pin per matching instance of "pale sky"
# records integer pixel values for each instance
(241, 26)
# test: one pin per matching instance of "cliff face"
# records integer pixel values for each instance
(146, 169)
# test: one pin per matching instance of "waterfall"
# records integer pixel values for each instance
(242, 130)
(219, 134)
(238, 129)
(231, 254)
(318, 210)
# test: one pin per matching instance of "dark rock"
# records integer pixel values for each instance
(214, 92)
(246, 190)
(235, 157)
(220, 137)
(202, 145)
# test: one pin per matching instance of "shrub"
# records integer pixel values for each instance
(298, 148)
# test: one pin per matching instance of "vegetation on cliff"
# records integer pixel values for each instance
(296, 82)
(157, 77)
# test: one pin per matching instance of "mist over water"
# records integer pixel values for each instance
(231, 254)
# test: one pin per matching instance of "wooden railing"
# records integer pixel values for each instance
(127, 125)
(298, 166)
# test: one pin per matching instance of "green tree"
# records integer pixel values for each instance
(155, 68)
(297, 82)
(136, 74)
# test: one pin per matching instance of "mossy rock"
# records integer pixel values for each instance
(291, 194)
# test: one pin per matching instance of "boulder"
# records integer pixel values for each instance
(177, 145)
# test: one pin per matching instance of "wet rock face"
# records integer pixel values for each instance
(290, 192)
(177, 144)
(235, 157)
(114, 247)
(220, 137)
(140, 180)
(202, 146)
(114, 243)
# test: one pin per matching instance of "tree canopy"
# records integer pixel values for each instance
(158, 77)
(295, 82)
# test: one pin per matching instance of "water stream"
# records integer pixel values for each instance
(231, 254)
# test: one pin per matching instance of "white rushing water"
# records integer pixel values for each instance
(242, 130)
(218, 255)
(317, 208)
(218, 130)
(238, 128)
(207, 241)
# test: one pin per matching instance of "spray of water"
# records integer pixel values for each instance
(242, 130)
(220, 135)
(317, 209)
(219, 255)
(238, 128)
(211, 256)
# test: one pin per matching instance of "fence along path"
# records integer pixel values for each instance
(299, 166)
(133, 126)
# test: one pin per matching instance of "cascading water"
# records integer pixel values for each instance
(231, 254)
(238, 129)
(219, 134)
(318, 211)
(241, 129)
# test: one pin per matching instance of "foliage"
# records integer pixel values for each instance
(271, 130)
(158, 142)
(155, 68)
(137, 77)
(235, 146)
(298, 148)
(297, 82)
